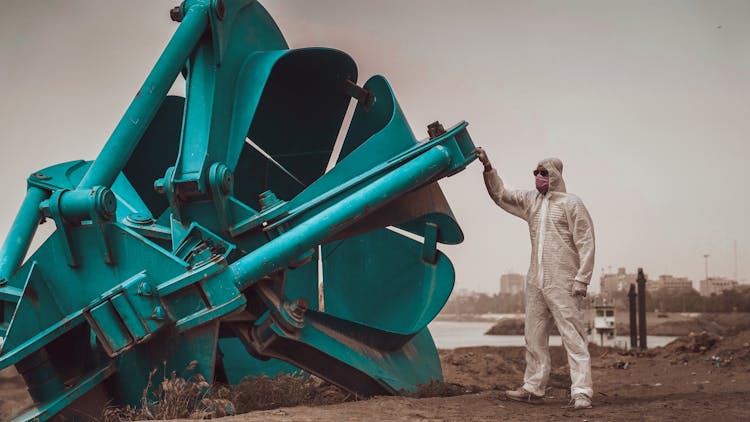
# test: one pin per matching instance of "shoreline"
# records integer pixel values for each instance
(659, 324)
(451, 335)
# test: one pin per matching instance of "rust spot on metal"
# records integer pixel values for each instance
(221, 10)
(33, 296)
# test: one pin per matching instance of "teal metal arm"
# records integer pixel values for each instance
(21, 233)
(133, 125)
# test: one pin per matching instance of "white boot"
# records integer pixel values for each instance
(581, 401)
(521, 394)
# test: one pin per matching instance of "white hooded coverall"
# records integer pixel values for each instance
(562, 252)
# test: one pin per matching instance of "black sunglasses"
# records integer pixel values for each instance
(544, 173)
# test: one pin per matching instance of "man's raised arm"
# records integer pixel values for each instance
(516, 202)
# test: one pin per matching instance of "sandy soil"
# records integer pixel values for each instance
(13, 395)
(695, 378)
(665, 384)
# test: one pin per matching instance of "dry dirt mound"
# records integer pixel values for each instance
(507, 327)
(512, 327)
(493, 368)
(683, 328)
(722, 324)
(691, 343)
(719, 351)
(481, 367)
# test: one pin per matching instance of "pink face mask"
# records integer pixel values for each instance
(542, 183)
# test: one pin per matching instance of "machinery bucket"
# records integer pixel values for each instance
(211, 237)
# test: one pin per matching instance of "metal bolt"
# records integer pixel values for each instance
(221, 178)
(226, 180)
(41, 176)
(140, 219)
(298, 309)
(145, 289)
(159, 313)
(160, 186)
(435, 129)
(107, 203)
(227, 183)
(176, 14)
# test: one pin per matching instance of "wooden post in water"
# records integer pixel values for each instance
(633, 323)
(641, 280)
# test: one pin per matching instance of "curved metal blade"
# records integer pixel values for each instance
(380, 279)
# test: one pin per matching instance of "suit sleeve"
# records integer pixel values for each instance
(583, 237)
(516, 202)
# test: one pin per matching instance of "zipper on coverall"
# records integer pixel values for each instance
(541, 230)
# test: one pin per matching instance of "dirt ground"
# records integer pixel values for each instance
(13, 395)
(665, 384)
(699, 377)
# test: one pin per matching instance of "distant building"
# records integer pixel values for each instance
(511, 283)
(716, 285)
(617, 282)
(604, 324)
(621, 281)
(670, 283)
(464, 293)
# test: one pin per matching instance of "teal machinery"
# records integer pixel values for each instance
(211, 236)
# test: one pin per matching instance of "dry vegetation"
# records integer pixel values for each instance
(174, 398)
(178, 398)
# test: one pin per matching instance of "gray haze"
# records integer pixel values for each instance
(646, 103)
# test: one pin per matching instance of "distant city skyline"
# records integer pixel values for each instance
(645, 103)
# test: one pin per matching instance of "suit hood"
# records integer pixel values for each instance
(554, 167)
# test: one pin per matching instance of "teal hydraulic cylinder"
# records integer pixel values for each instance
(295, 242)
(124, 139)
(21, 233)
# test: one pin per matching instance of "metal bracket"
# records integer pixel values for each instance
(165, 186)
(127, 315)
(101, 238)
(221, 181)
(69, 208)
(288, 316)
(200, 246)
(53, 208)
(363, 96)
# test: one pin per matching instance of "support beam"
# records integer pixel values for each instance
(21, 233)
(124, 139)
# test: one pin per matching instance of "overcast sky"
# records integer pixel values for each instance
(646, 102)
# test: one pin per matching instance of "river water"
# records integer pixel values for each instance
(450, 335)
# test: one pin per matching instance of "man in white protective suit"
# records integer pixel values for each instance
(562, 261)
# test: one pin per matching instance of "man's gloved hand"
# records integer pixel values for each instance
(482, 157)
(579, 289)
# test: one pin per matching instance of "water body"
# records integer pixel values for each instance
(450, 335)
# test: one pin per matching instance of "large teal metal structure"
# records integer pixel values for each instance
(200, 232)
